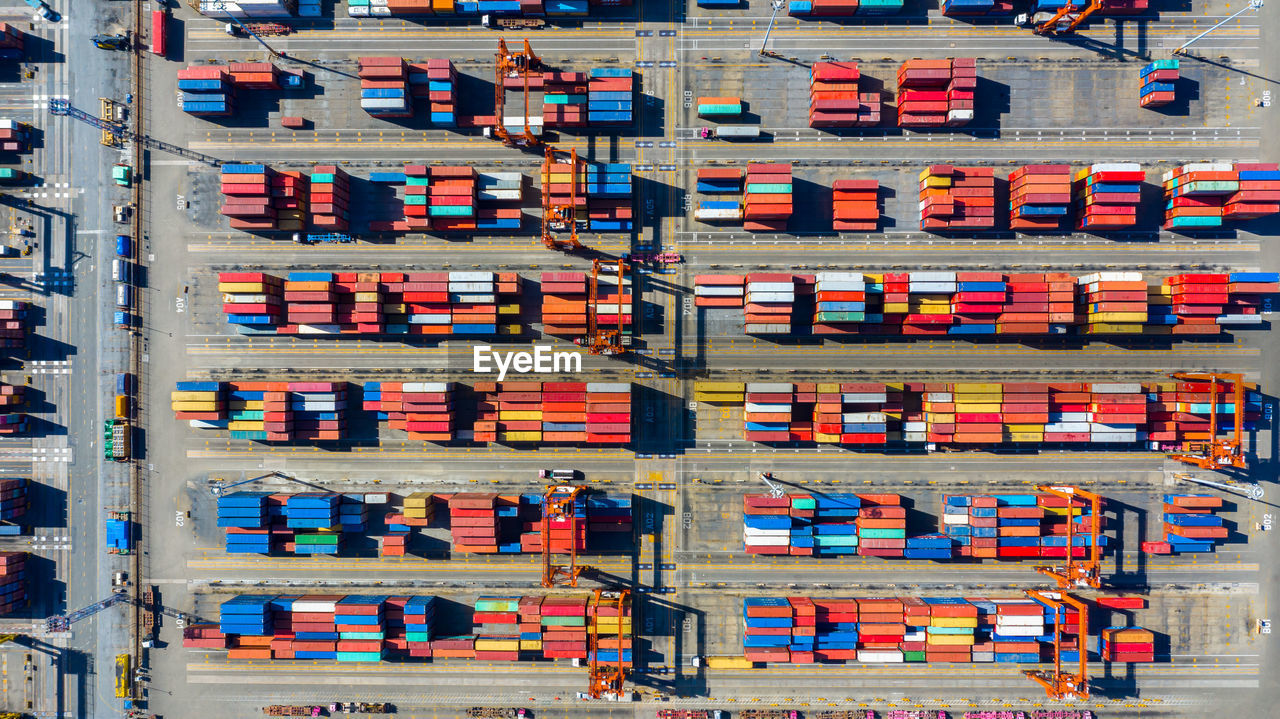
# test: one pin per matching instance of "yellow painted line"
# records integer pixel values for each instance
(741, 246)
(480, 453)
(699, 144)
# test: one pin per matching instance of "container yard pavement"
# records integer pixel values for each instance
(1040, 100)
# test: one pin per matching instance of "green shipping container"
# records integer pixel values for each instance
(840, 316)
(361, 635)
(322, 177)
(913, 656)
(769, 188)
(451, 211)
(870, 533)
(359, 656)
(253, 434)
(315, 538)
(719, 109)
(418, 181)
(246, 414)
(837, 540)
(418, 636)
(415, 199)
(564, 621)
(497, 604)
(948, 630)
(804, 503)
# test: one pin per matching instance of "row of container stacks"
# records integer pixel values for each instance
(373, 303)
(1158, 83)
(1039, 197)
(1018, 526)
(15, 136)
(835, 99)
(602, 190)
(833, 524)
(937, 93)
(553, 412)
(1209, 194)
(1022, 304)
(265, 411)
(12, 42)
(843, 8)
(719, 108)
(957, 198)
(566, 303)
(468, 8)
(390, 85)
(600, 97)
(855, 205)
(209, 90)
(770, 299)
(719, 181)
(767, 206)
(370, 628)
(1191, 524)
(443, 198)
(424, 410)
(1165, 416)
(481, 523)
(253, 9)
(12, 397)
(804, 630)
(13, 582)
(970, 8)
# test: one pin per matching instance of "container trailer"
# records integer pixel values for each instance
(730, 132)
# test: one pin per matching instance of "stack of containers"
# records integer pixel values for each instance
(496, 629)
(564, 411)
(1112, 303)
(485, 426)
(719, 108)
(855, 205)
(249, 9)
(834, 99)
(418, 510)
(978, 418)
(558, 184)
(255, 75)
(247, 194)
(311, 301)
(978, 301)
(13, 582)
(928, 305)
(359, 622)
(12, 42)
(1038, 304)
(954, 198)
(841, 302)
(14, 136)
(1158, 83)
(770, 301)
(609, 515)
(609, 197)
(768, 197)
(564, 303)
(384, 87)
(832, 526)
(1196, 193)
(613, 631)
(1025, 411)
(1127, 644)
(719, 290)
(613, 303)
(564, 99)
(474, 523)
(418, 615)
(314, 517)
(203, 636)
(416, 205)
(611, 96)
(720, 392)
(1040, 197)
(452, 198)
(951, 632)
(719, 181)
(13, 498)
(567, 533)
(768, 629)
(1107, 195)
(198, 402)
(1259, 193)
(1245, 302)
(608, 413)
(251, 300)
(506, 189)
(882, 526)
(247, 614)
(768, 412)
(13, 323)
(564, 627)
(864, 407)
(519, 412)
(1191, 523)
(1118, 410)
(427, 410)
(1195, 301)
(767, 527)
(936, 93)
(330, 198)
(206, 91)
(437, 81)
(247, 511)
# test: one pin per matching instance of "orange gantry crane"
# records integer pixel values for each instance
(1087, 573)
(513, 64)
(1062, 685)
(606, 678)
(1219, 452)
(559, 504)
(1067, 18)
(601, 341)
(558, 217)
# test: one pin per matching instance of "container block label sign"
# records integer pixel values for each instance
(484, 359)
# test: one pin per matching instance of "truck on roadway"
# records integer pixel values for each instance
(731, 132)
(512, 23)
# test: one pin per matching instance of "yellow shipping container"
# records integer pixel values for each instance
(195, 407)
(530, 645)
(873, 276)
(1117, 317)
(978, 387)
(976, 398)
(307, 286)
(942, 640)
(936, 182)
(729, 663)
(509, 309)
(933, 310)
(828, 387)
(1026, 436)
(417, 499)
(737, 387)
(1026, 427)
(512, 415)
(177, 396)
(895, 386)
(823, 437)
(1112, 329)
(249, 425)
(958, 622)
(520, 436)
(1062, 511)
(990, 407)
(896, 308)
(718, 398)
(122, 406)
(366, 297)
(247, 288)
(497, 645)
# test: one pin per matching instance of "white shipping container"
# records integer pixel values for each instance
(1114, 167)
(727, 213)
(460, 276)
(244, 299)
(932, 276)
(942, 288)
(206, 424)
(955, 518)
(880, 656)
(485, 287)
(1105, 427)
(12, 304)
(425, 319)
(1007, 620)
(770, 387)
(472, 299)
(1116, 387)
(776, 297)
(1110, 437)
(375, 498)
(959, 115)
(496, 195)
(1020, 631)
(608, 386)
(425, 386)
(915, 436)
(841, 277)
(937, 396)
(717, 291)
(764, 329)
(767, 541)
(855, 417)
(770, 407)
(915, 426)
(319, 329)
(1067, 427)
(771, 287)
(380, 11)
(863, 397)
(357, 11)
(313, 606)
(1239, 319)
(1070, 416)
